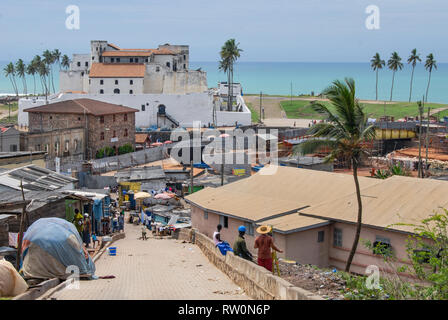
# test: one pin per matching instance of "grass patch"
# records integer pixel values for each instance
(253, 113)
(14, 107)
(303, 109)
(14, 120)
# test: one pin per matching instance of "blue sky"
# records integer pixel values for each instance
(280, 30)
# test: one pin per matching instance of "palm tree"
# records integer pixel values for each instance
(48, 60)
(345, 134)
(10, 73)
(57, 57)
(376, 64)
(394, 64)
(65, 61)
(229, 54)
(413, 59)
(430, 63)
(31, 69)
(21, 71)
(420, 114)
(44, 71)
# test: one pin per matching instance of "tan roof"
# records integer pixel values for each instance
(294, 222)
(396, 199)
(263, 195)
(141, 137)
(81, 106)
(122, 70)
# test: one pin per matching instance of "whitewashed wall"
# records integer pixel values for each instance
(185, 108)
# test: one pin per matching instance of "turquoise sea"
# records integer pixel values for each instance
(276, 78)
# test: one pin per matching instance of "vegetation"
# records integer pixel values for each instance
(394, 64)
(429, 65)
(13, 120)
(412, 60)
(303, 109)
(395, 170)
(229, 54)
(377, 63)
(125, 149)
(100, 153)
(345, 134)
(109, 151)
(253, 113)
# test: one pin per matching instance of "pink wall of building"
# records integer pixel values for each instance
(304, 248)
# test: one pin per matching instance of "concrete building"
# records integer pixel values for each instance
(314, 213)
(11, 139)
(109, 69)
(80, 128)
(11, 160)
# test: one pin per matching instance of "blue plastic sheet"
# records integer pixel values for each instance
(224, 246)
(51, 235)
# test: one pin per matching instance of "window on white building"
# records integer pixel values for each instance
(101, 82)
(117, 91)
(131, 91)
(87, 63)
(116, 81)
(249, 228)
(131, 82)
(157, 69)
(112, 59)
(79, 63)
(168, 65)
(101, 91)
(143, 107)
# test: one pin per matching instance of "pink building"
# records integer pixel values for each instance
(313, 213)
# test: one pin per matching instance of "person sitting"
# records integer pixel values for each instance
(217, 235)
(239, 247)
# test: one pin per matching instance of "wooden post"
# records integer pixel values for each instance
(22, 219)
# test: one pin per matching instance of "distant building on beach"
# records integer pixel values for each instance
(109, 69)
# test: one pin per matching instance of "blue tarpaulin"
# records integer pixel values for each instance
(52, 245)
(224, 246)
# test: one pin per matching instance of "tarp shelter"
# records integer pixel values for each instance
(11, 283)
(50, 246)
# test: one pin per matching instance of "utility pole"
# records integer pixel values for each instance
(427, 143)
(191, 176)
(420, 110)
(21, 227)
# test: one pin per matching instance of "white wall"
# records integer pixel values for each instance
(109, 85)
(184, 108)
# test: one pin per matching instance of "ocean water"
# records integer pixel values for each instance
(276, 78)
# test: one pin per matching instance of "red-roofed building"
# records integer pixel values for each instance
(80, 128)
(110, 69)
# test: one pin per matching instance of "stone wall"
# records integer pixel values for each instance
(256, 281)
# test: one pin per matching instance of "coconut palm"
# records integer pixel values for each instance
(65, 61)
(31, 70)
(345, 134)
(430, 63)
(57, 57)
(49, 60)
(230, 53)
(413, 59)
(44, 71)
(10, 72)
(394, 64)
(21, 71)
(376, 64)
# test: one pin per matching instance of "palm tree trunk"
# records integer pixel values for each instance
(358, 224)
(228, 90)
(427, 88)
(392, 88)
(34, 82)
(231, 87)
(410, 89)
(376, 84)
(420, 175)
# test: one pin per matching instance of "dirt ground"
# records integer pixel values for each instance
(413, 152)
(322, 282)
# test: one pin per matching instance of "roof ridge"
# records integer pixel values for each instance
(82, 106)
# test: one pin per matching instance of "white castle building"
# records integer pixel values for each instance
(157, 82)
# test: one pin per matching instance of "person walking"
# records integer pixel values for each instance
(239, 247)
(87, 229)
(78, 222)
(217, 235)
(264, 243)
(121, 222)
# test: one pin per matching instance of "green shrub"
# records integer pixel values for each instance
(100, 153)
(125, 149)
(109, 152)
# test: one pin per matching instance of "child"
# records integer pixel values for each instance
(144, 232)
(95, 240)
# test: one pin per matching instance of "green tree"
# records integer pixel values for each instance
(56, 57)
(32, 70)
(229, 54)
(49, 60)
(10, 72)
(65, 62)
(376, 63)
(412, 60)
(345, 134)
(21, 72)
(394, 64)
(430, 64)
(43, 70)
